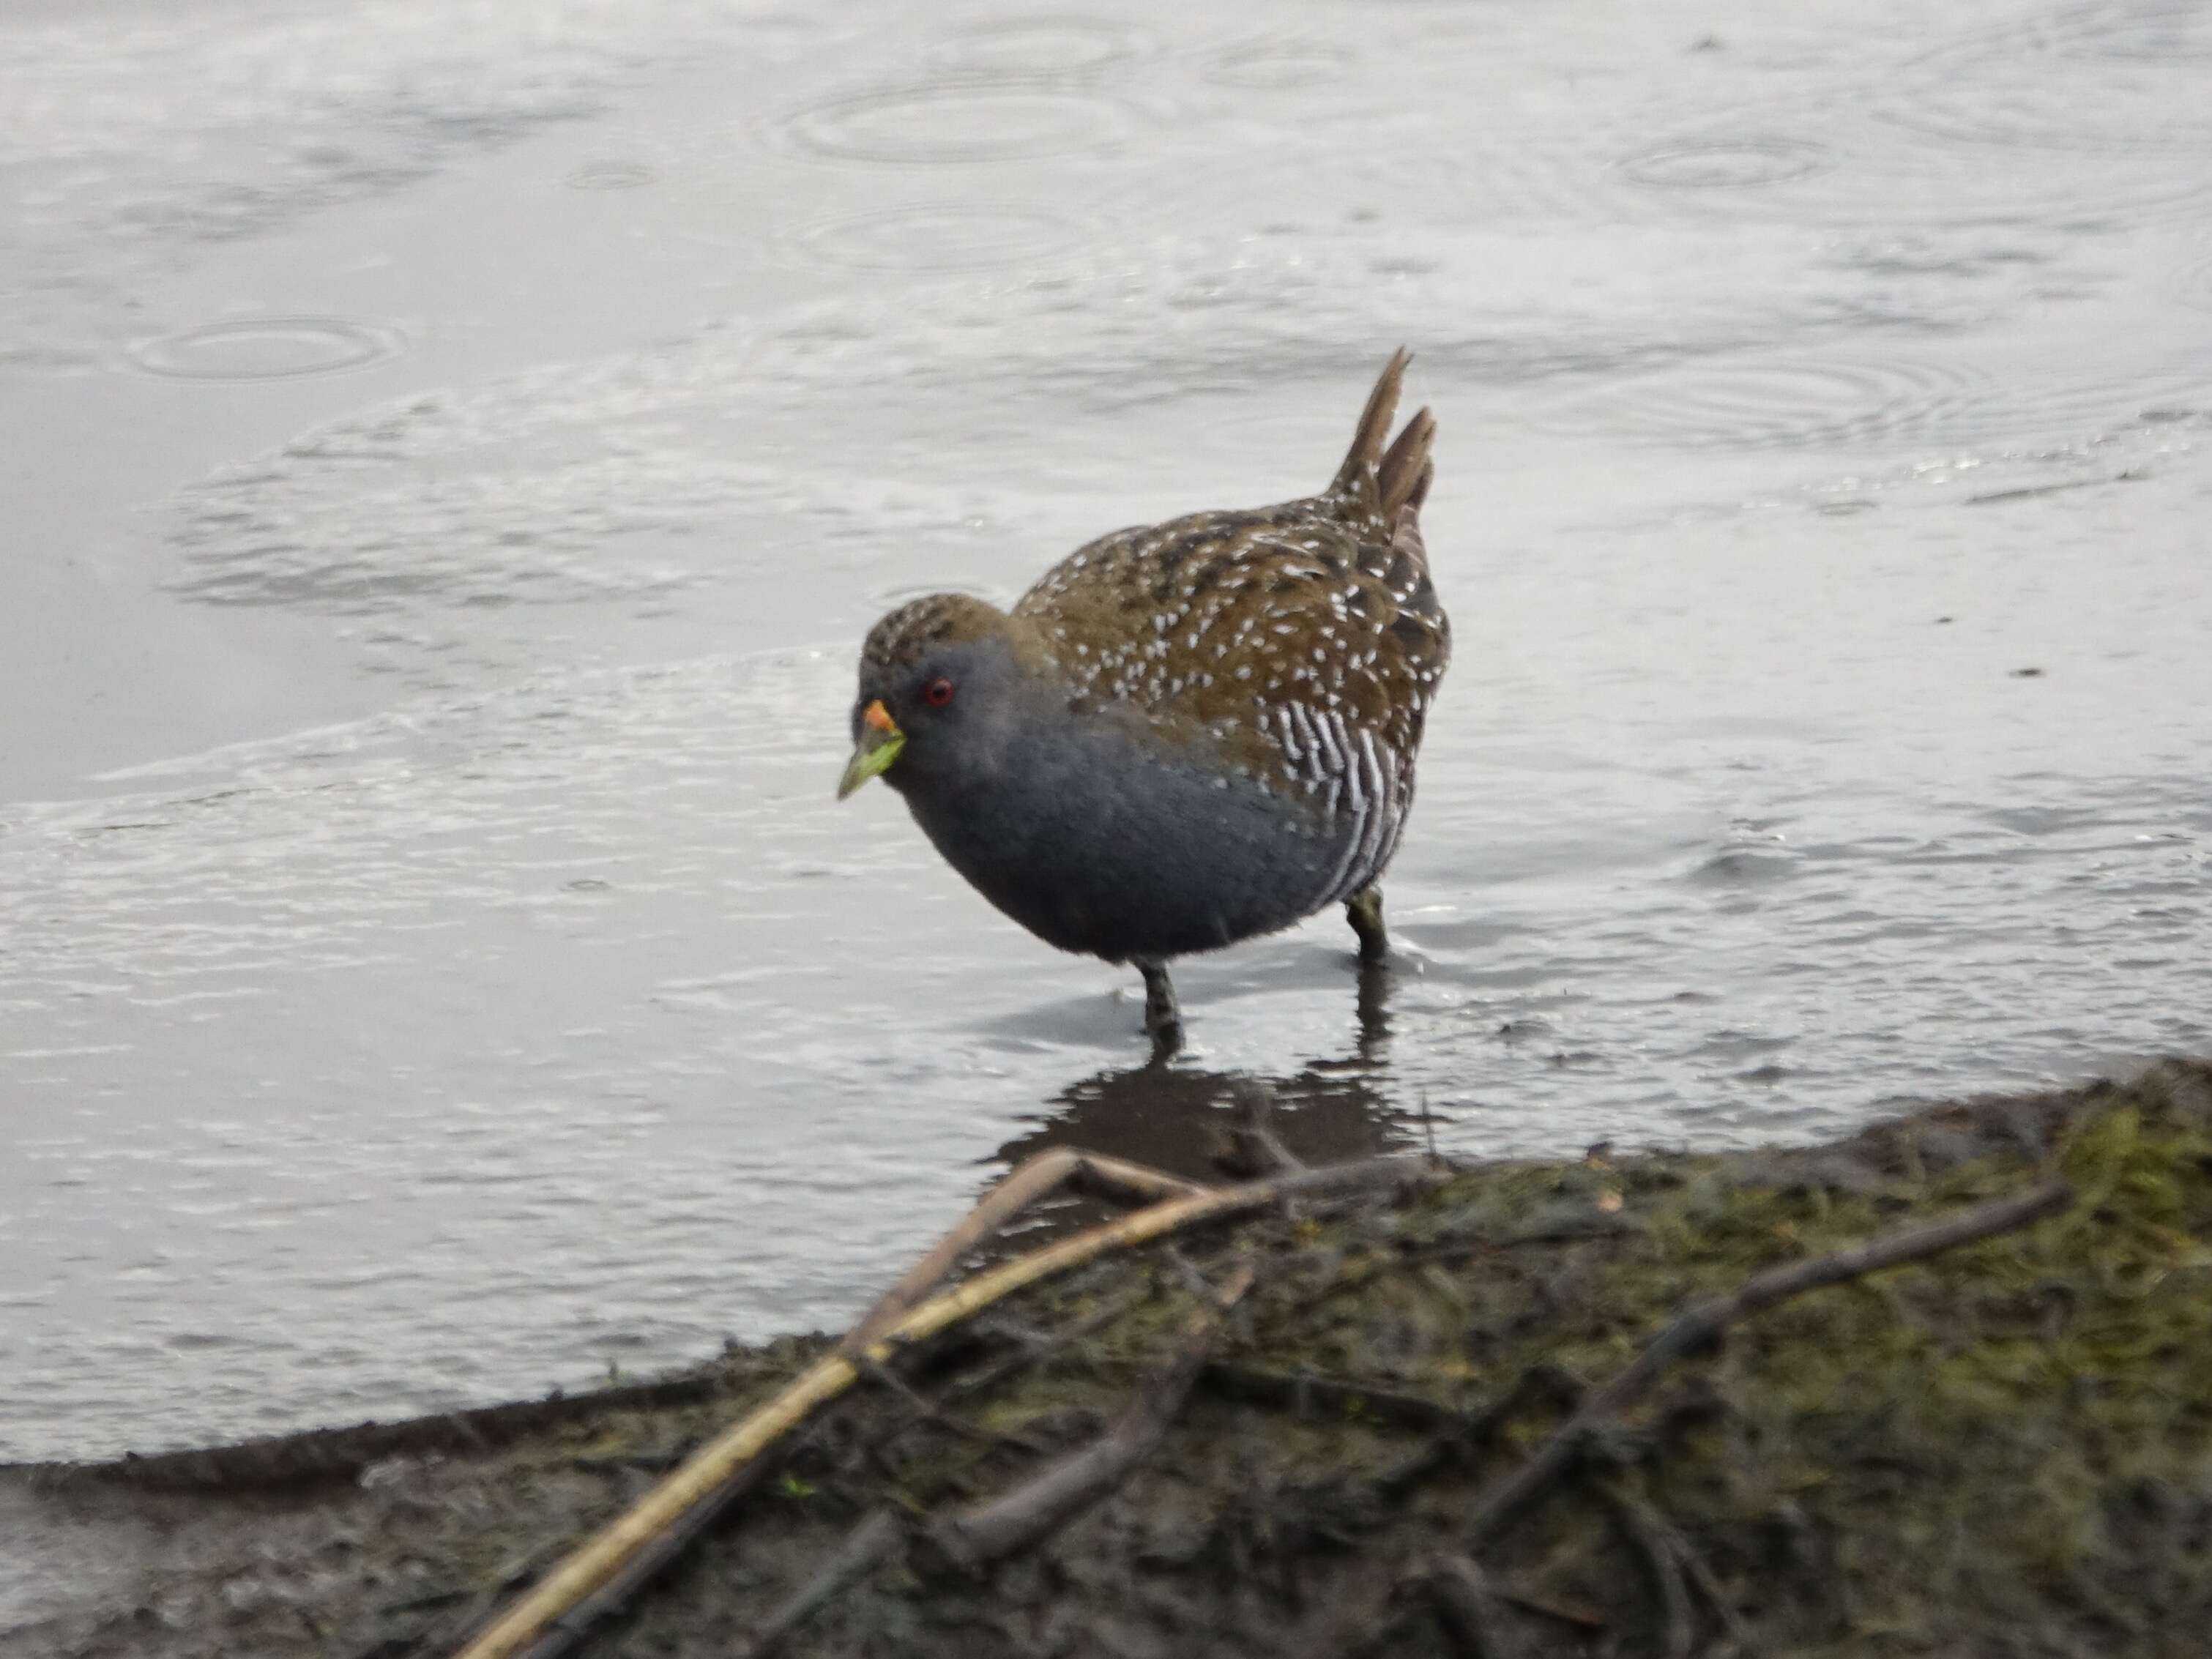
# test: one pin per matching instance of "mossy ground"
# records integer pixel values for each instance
(2005, 1450)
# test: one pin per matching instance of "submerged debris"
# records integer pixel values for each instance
(1622, 1406)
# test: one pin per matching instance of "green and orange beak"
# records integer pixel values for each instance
(879, 745)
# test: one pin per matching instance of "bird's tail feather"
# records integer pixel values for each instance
(1386, 480)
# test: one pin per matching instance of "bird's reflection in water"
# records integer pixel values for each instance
(1177, 1118)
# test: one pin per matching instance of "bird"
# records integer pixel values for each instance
(1184, 735)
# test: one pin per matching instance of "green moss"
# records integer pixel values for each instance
(2005, 1450)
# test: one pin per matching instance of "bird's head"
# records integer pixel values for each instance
(937, 677)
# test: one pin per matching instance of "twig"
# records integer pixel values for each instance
(1367, 1624)
(1651, 1531)
(1368, 1616)
(735, 1454)
(1041, 1505)
(1661, 1563)
(973, 1382)
(613, 1595)
(1453, 1250)
(1702, 1580)
(1303, 1393)
(867, 1547)
(622, 1467)
(1465, 1247)
(1033, 1511)
(1583, 1619)
(1383, 1491)
(1029, 1182)
(1253, 1147)
(1703, 1323)
(1118, 1181)
(1469, 1609)
(934, 1413)
(568, 1624)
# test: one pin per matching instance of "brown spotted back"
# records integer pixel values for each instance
(1307, 638)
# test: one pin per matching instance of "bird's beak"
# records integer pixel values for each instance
(879, 745)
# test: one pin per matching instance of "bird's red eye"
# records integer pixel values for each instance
(937, 693)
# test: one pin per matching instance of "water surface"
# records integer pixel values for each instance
(452, 454)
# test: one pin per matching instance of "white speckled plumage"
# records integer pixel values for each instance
(1322, 631)
(1279, 660)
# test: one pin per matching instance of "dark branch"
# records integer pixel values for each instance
(867, 1547)
(1703, 1324)
(1040, 1506)
(1655, 1545)
(1472, 1612)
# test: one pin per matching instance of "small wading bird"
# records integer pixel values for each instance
(1185, 734)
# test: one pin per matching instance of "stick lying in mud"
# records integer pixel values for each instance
(1024, 1185)
(1040, 1506)
(1028, 1183)
(702, 1479)
(1371, 1628)
(1701, 1325)
(1469, 1609)
(1252, 1149)
(875, 1541)
(975, 1538)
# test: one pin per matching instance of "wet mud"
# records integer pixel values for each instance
(2003, 1446)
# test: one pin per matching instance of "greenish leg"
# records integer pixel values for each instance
(1364, 909)
(1163, 1019)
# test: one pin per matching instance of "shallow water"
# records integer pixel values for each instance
(453, 453)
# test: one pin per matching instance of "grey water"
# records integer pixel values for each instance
(449, 453)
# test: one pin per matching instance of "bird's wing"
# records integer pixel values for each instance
(1299, 637)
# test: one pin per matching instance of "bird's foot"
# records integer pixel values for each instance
(1363, 910)
(1162, 1017)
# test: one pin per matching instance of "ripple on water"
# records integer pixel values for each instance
(1887, 178)
(1745, 163)
(2127, 76)
(940, 236)
(1860, 172)
(1200, 315)
(609, 174)
(1775, 403)
(2099, 404)
(2160, 32)
(1041, 46)
(523, 504)
(959, 121)
(1276, 65)
(1293, 171)
(266, 348)
(1865, 402)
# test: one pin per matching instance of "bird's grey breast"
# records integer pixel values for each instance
(1100, 839)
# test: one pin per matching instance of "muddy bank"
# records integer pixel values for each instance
(2005, 1446)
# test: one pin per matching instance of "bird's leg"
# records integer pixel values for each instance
(1363, 910)
(1375, 982)
(1163, 1019)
